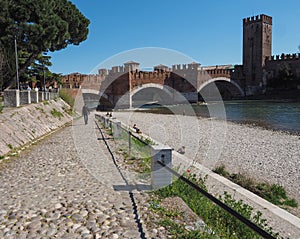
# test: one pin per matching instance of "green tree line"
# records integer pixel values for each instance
(38, 27)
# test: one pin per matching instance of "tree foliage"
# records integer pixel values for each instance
(39, 26)
(285, 78)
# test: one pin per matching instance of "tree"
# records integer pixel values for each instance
(284, 79)
(40, 26)
(37, 69)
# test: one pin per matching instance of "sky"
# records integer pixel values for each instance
(208, 32)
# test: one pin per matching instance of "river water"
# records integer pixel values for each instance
(275, 115)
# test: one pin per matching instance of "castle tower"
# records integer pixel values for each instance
(257, 45)
(131, 66)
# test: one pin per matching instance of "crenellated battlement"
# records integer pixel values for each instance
(160, 75)
(186, 67)
(216, 71)
(117, 70)
(284, 57)
(259, 18)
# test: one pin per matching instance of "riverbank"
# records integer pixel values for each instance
(22, 125)
(266, 155)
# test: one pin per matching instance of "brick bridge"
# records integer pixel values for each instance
(127, 86)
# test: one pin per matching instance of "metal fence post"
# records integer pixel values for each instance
(29, 97)
(37, 96)
(129, 143)
(160, 177)
(117, 129)
(106, 122)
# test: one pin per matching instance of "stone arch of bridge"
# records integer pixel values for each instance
(164, 88)
(222, 79)
(95, 92)
(103, 100)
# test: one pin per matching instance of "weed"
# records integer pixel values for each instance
(10, 146)
(40, 109)
(46, 103)
(273, 193)
(221, 171)
(56, 113)
(69, 111)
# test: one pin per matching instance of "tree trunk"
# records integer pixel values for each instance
(23, 68)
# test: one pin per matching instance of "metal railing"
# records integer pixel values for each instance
(131, 144)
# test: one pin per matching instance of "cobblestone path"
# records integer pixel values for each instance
(62, 188)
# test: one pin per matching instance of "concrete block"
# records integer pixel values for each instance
(160, 176)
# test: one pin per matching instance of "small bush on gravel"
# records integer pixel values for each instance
(273, 193)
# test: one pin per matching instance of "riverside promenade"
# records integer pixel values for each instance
(60, 188)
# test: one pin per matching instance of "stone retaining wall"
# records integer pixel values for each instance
(19, 126)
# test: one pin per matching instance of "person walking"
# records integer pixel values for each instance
(85, 113)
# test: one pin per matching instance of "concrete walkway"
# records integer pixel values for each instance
(63, 188)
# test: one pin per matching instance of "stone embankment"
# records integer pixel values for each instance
(19, 126)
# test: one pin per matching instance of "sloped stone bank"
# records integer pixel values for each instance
(19, 126)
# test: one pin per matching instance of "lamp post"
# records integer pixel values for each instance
(44, 77)
(17, 63)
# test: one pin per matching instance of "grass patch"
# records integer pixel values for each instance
(220, 223)
(56, 113)
(273, 193)
(10, 146)
(68, 96)
(1, 104)
(68, 110)
(40, 109)
(139, 154)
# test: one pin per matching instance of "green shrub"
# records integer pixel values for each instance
(68, 96)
